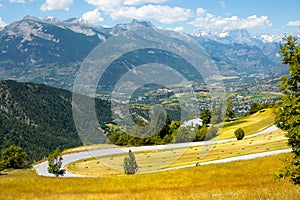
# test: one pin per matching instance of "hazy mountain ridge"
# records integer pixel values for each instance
(50, 51)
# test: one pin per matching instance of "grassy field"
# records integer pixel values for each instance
(251, 124)
(160, 159)
(251, 179)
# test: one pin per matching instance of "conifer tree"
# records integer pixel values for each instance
(130, 166)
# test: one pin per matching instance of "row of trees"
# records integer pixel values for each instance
(170, 133)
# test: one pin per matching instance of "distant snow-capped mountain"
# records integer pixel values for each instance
(240, 36)
(268, 38)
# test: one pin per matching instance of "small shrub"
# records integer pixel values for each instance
(239, 134)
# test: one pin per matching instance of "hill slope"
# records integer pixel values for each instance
(39, 118)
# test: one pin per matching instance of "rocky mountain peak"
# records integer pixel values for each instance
(129, 26)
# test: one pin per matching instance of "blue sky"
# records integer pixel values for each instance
(257, 16)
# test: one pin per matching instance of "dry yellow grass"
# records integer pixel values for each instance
(251, 179)
(251, 124)
(160, 159)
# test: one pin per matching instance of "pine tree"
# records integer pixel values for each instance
(130, 166)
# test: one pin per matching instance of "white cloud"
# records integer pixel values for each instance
(177, 28)
(163, 14)
(210, 21)
(139, 2)
(106, 5)
(114, 4)
(93, 16)
(17, 1)
(222, 4)
(129, 9)
(2, 23)
(294, 23)
(57, 5)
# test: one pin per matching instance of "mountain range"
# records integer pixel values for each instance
(50, 51)
(240, 36)
(237, 52)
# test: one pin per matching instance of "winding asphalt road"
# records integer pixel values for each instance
(41, 168)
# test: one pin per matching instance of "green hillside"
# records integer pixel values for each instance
(39, 118)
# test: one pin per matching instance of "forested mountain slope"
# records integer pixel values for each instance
(39, 118)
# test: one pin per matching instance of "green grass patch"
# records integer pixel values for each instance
(250, 124)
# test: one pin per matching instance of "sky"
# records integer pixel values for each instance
(257, 16)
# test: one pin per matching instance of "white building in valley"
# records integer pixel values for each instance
(193, 123)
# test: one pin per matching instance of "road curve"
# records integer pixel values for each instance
(41, 168)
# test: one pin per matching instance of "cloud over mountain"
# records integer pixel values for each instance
(142, 9)
(163, 14)
(211, 21)
(93, 16)
(2, 23)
